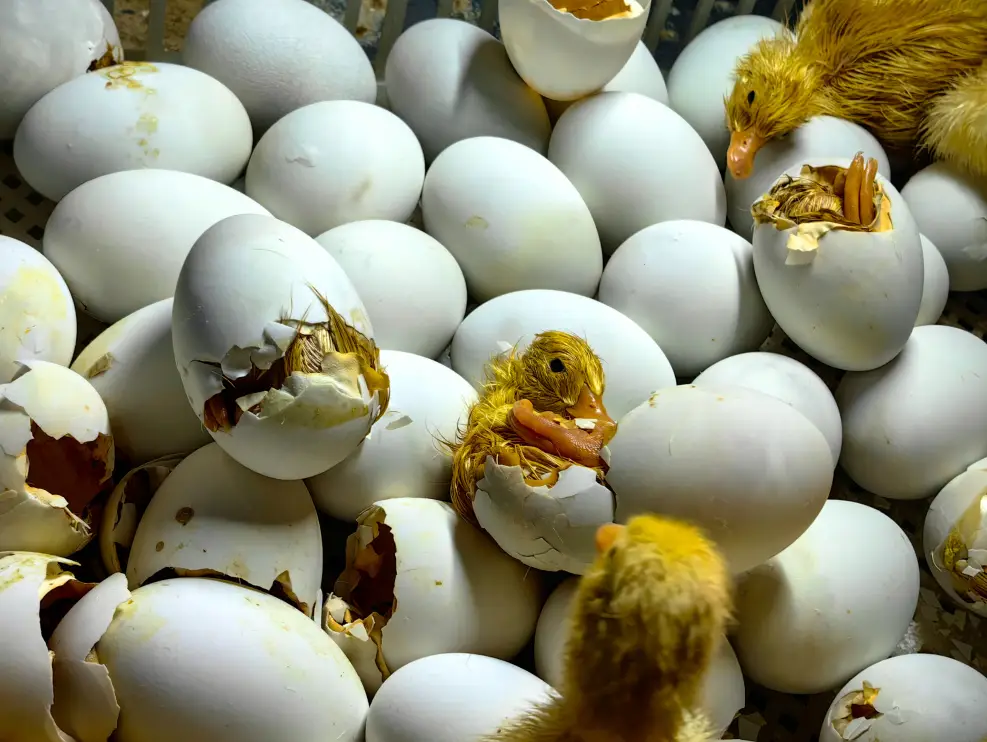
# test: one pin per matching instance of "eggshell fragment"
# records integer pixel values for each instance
(56, 456)
(935, 286)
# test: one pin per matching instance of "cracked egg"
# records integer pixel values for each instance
(56, 458)
(275, 349)
(839, 262)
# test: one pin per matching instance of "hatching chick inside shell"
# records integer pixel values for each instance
(56, 457)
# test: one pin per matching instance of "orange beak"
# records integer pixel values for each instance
(740, 156)
(590, 407)
(607, 535)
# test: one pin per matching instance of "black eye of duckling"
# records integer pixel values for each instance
(557, 366)
(750, 97)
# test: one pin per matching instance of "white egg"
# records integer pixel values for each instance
(424, 701)
(412, 287)
(935, 286)
(955, 538)
(848, 299)
(691, 286)
(837, 600)
(278, 56)
(117, 259)
(914, 424)
(786, 379)
(911, 698)
(450, 80)
(169, 652)
(37, 316)
(133, 116)
(248, 287)
(745, 466)
(44, 43)
(636, 163)
(56, 457)
(723, 687)
(633, 363)
(453, 590)
(335, 162)
(950, 208)
(511, 219)
(822, 136)
(403, 455)
(703, 73)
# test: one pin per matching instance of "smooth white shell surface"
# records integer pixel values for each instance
(935, 287)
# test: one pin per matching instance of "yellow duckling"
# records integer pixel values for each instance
(647, 619)
(541, 409)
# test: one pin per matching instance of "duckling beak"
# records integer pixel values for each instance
(607, 535)
(743, 147)
(590, 407)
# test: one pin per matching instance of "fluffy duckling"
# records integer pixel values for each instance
(541, 409)
(646, 622)
(901, 68)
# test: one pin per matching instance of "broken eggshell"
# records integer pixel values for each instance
(56, 457)
(548, 527)
(214, 517)
(565, 55)
(276, 353)
(421, 581)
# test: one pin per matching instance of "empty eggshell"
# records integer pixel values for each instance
(37, 316)
(955, 538)
(56, 456)
(214, 517)
(437, 584)
(403, 455)
(914, 424)
(935, 286)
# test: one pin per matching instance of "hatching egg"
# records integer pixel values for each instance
(511, 219)
(403, 456)
(56, 457)
(911, 698)
(450, 80)
(750, 469)
(412, 287)
(118, 240)
(935, 284)
(691, 286)
(821, 136)
(633, 363)
(703, 73)
(915, 423)
(335, 162)
(837, 600)
(424, 700)
(636, 162)
(847, 298)
(437, 584)
(786, 379)
(129, 117)
(950, 208)
(278, 56)
(37, 316)
(44, 43)
(274, 348)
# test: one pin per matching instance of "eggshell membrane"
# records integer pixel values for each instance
(852, 302)
(959, 505)
(455, 591)
(117, 240)
(426, 698)
(743, 465)
(921, 697)
(635, 162)
(292, 681)
(935, 284)
(403, 455)
(37, 316)
(633, 363)
(912, 425)
(213, 516)
(223, 303)
(565, 57)
(509, 233)
(450, 80)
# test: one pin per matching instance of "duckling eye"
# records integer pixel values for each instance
(750, 97)
(557, 366)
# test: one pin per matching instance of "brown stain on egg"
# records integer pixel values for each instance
(159, 546)
(184, 515)
(123, 76)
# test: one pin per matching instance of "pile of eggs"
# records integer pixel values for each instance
(214, 218)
